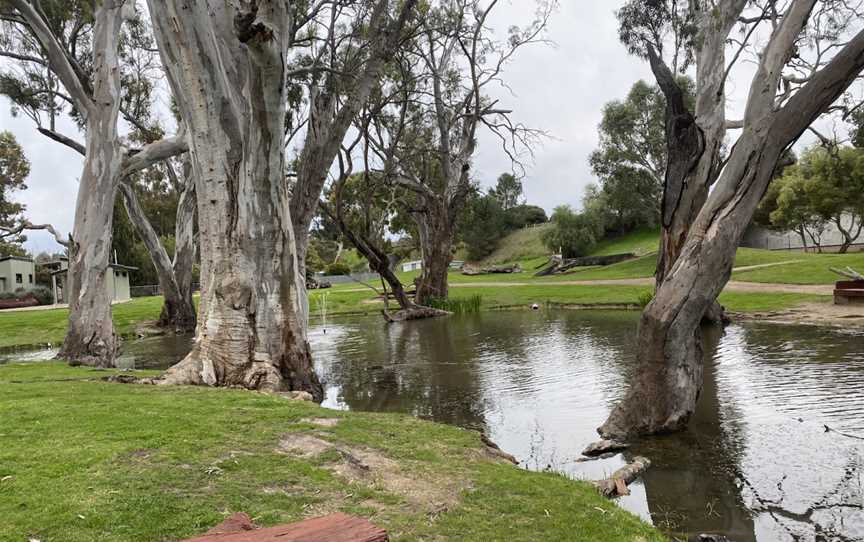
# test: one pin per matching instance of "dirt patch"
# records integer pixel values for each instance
(303, 445)
(142, 454)
(432, 494)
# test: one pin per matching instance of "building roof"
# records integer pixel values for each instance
(113, 265)
(19, 258)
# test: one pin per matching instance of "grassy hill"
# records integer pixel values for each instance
(526, 247)
(521, 245)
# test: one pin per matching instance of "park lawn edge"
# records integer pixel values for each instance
(84, 459)
(34, 329)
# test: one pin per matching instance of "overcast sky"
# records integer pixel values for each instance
(558, 88)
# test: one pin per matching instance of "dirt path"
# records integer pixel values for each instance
(843, 316)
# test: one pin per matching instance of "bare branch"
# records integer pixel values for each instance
(60, 138)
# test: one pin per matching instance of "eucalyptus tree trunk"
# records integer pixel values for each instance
(331, 113)
(90, 338)
(694, 140)
(436, 229)
(178, 312)
(226, 66)
(668, 379)
(184, 246)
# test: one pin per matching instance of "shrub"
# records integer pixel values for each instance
(42, 294)
(337, 269)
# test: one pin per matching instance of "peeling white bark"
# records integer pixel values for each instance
(225, 62)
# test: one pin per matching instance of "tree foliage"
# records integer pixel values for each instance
(14, 169)
(824, 188)
(630, 161)
(573, 234)
(508, 191)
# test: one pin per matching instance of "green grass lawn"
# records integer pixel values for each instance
(811, 269)
(524, 244)
(145, 463)
(639, 242)
(49, 326)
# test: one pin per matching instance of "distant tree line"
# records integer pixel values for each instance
(630, 165)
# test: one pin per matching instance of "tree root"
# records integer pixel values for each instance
(413, 313)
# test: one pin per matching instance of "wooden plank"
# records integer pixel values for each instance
(336, 527)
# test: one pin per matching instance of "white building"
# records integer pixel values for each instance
(16, 273)
(117, 282)
(415, 265)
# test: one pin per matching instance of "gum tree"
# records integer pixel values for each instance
(797, 78)
(71, 62)
(228, 64)
(453, 60)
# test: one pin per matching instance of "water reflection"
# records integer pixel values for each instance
(773, 452)
(755, 464)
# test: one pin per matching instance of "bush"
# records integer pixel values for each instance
(42, 294)
(574, 234)
(337, 268)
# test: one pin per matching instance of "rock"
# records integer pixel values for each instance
(604, 446)
(713, 538)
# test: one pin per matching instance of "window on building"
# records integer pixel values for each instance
(124, 274)
(30, 278)
(19, 278)
(116, 273)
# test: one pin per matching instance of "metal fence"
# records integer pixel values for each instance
(153, 289)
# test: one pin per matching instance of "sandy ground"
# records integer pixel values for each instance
(845, 316)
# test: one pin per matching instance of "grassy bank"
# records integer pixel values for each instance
(30, 328)
(140, 463)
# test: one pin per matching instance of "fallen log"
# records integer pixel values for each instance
(603, 447)
(413, 313)
(616, 485)
(493, 270)
(559, 265)
(848, 273)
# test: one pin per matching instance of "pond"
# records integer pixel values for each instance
(757, 463)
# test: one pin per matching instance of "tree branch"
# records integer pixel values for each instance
(27, 225)
(59, 61)
(60, 138)
(153, 153)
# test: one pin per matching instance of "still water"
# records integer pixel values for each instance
(756, 464)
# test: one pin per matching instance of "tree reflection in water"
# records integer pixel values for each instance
(540, 382)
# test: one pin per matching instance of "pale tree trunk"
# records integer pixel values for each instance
(668, 379)
(227, 70)
(90, 338)
(184, 245)
(178, 312)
